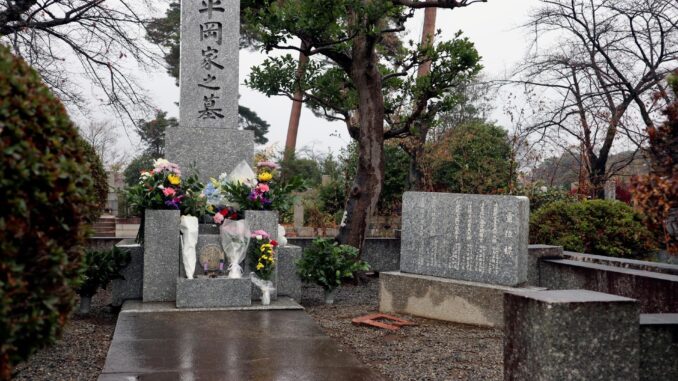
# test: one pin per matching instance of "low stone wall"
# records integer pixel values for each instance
(633, 264)
(656, 292)
(383, 254)
(102, 243)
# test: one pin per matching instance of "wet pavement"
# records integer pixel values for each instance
(227, 345)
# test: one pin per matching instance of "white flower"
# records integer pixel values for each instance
(145, 175)
(259, 237)
(160, 162)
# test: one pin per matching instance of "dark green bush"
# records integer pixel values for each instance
(100, 267)
(98, 173)
(540, 197)
(327, 263)
(332, 197)
(46, 194)
(600, 227)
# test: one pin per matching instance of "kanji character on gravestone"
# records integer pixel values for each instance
(207, 81)
(208, 56)
(211, 29)
(211, 6)
(210, 112)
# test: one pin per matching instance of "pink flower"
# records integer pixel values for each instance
(218, 218)
(260, 233)
(169, 192)
(267, 164)
(263, 187)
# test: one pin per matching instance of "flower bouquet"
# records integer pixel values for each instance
(235, 238)
(163, 188)
(262, 261)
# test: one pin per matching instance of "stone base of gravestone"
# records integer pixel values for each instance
(162, 255)
(658, 347)
(266, 220)
(213, 292)
(210, 151)
(570, 335)
(289, 283)
(535, 253)
(464, 236)
(130, 284)
(443, 299)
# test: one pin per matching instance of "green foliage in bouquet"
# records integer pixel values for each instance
(326, 263)
(47, 195)
(100, 267)
(602, 227)
(261, 254)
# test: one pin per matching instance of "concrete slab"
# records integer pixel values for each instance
(227, 345)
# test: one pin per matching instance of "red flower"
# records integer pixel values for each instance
(274, 242)
(224, 212)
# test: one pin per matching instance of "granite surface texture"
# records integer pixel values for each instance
(209, 64)
(289, 283)
(658, 347)
(535, 253)
(202, 150)
(570, 335)
(442, 299)
(470, 237)
(162, 255)
(266, 220)
(130, 286)
(656, 292)
(213, 292)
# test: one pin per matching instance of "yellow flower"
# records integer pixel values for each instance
(265, 176)
(260, 266)
(174, 179)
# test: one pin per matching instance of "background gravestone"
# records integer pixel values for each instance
(464, 236)
(207, 139)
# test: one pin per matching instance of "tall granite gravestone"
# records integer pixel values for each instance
(466, 237)
(207, 139)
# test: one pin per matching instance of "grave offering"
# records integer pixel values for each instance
(262, 262)
(467, 237)
(189, 239)
(235, 237)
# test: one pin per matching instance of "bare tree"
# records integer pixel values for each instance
(596, 86)
(102, 136)
(67, 39)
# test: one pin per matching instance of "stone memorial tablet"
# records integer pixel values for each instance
(467, 237)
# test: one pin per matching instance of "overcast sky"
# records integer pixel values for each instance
(492, 26)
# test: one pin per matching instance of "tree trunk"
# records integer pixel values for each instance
(295, 114)
(416, 174)
(597, 178)
(364, 194)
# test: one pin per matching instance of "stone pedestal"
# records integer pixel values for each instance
(289, 283)
(266, 220)
(209, 151)
(162, 255)
(535, 253)
(442, 299)
(658, 347)
(130, 286)
(570, 335)
(213, 292)
(469, 237)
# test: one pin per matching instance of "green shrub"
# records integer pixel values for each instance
(46, 194)
(100, 267)
(326, 263)
(600, 227)
(540, 197)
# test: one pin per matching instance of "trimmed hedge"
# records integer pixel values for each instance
(46, 194)
(602, 227)
(98, 173)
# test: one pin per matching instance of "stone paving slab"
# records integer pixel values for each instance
(227, 345)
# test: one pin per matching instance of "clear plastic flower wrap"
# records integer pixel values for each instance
(235, 236)
(266, 287)
(189, 239)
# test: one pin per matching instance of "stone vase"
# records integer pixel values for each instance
(266, 220)
(330, 295)
(85, 305)
(162, 255)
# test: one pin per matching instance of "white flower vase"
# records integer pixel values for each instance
(330, 295)
(266, 297)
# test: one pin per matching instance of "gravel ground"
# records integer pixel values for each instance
(81, 351)
(433, 350)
